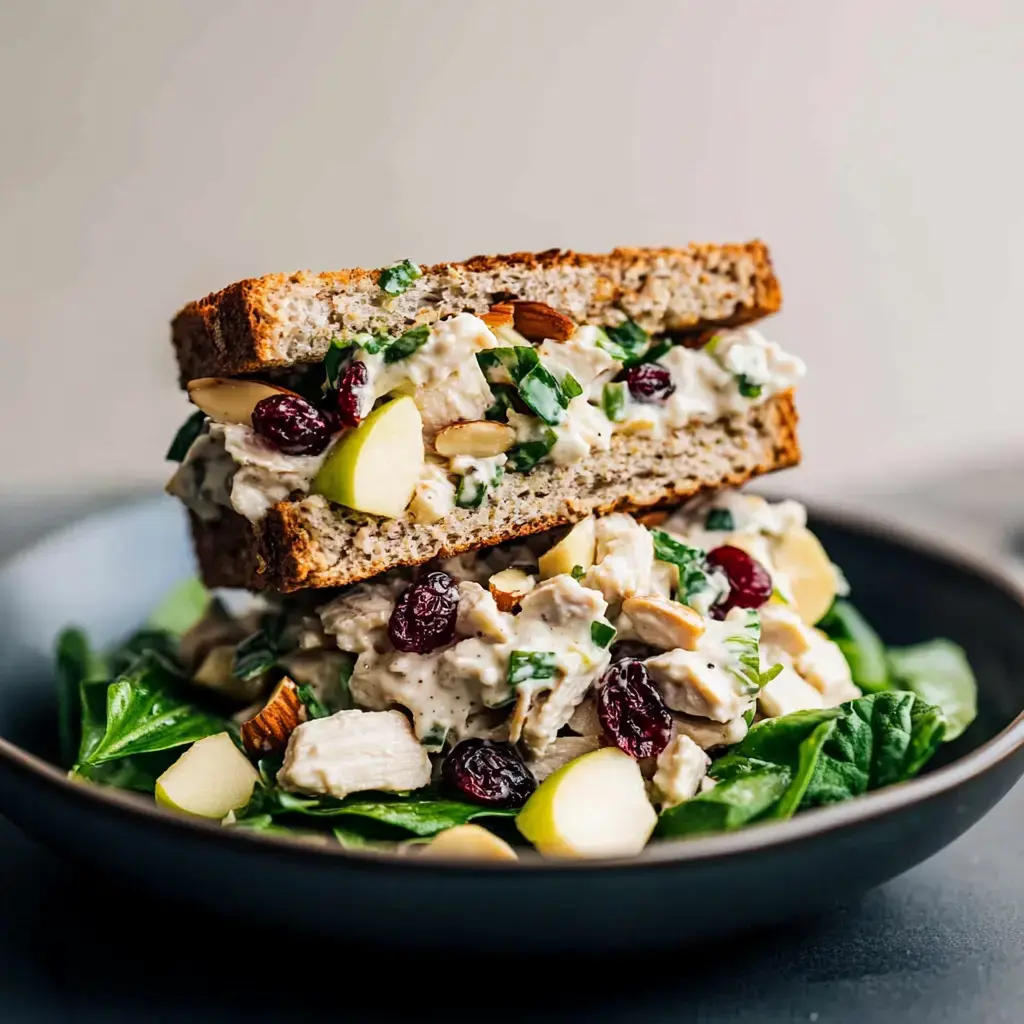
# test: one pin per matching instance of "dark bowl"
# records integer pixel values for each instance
(108, 571)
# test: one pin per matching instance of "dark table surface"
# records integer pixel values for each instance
(943, 943)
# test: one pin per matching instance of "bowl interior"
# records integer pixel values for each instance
(107, 572)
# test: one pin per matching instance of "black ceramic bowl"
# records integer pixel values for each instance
(108, 571)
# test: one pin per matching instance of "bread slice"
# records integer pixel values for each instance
(282, 319)
(311, 543)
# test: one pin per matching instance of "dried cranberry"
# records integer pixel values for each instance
(649, 382)
(750, 583)
(631, 711)
(292, 425)
(488, 773)
(424, 615)
(351, 391)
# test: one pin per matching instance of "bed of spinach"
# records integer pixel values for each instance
(812, 758)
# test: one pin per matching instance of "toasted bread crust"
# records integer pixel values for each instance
(282, 319)
(309, 544)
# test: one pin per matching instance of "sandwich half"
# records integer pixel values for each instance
(352, 422)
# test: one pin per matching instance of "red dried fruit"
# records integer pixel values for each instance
(488, 773)
(631, 710)
(292, 425)
(649, 382)
(351, 393)
(424, 615)
(750, 583)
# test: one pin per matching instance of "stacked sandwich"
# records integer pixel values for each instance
(491, 512)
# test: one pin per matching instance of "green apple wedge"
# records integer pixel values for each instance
(211, 778)
(594, 806)
(468, 842)
(575, 548)
(375, 468)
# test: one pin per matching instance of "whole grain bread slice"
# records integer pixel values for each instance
(282, 319)
(311, 543)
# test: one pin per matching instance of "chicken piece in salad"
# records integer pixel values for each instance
(667, 675)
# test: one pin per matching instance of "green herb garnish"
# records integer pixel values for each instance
(720, 519)
(404, 345)
(314, 706)
(748, 389)
(525, 666)
(602, 633)
(186, 436)
(525, 456)
(398, 277)
(613, 400)
(628, 342)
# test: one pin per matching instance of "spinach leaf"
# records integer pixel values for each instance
(334, 360)
(613, 400)
(537, 386)
(146, 641)
(144, 714)
(602, 633)
(404, 345)
(181, 609)
(860, 644)
(743, 646)
(398, 277)
(731, 804)
(525, 456)
(420, 817)
(475, 485)
(76, 664)
(503, 401)
(186, 436)
(939, 673)
(628, 342)
(571, 387)
(256, 654)
(720, 519)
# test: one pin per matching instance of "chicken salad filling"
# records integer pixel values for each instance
(457, 404)
(671, 674)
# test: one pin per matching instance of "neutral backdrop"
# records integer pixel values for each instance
(153, 152)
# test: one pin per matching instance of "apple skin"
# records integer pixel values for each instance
(376, 466)
(799, 554)
(575, 548)
(594, 806)
(210, 779)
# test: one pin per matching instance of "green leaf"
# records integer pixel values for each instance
(860, 644)
(473, 487)
(255, 655)
(693, 572)
(145, 714)
(145, 641)
(745, 656)
(404, 345)
(502, 402)
(434, 738)
(525, 456)
(181, 609)
(613, 401)
(571, 387)
(537, 386)
(314, 708)
(334, 360)
(601, 632)
(398, 277)
(938, 672)
(748, 389)
(730, 805)
(578, 572)
(186, 436)
(628, 342)
(720, 519)
(524, 666)
(76, 664)
(542, 393)
(420, 817)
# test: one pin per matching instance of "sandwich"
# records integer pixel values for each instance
(351, 423)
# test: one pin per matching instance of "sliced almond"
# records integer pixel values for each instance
(509, 587)
(663, 623)
(652, 519)
(231, 401)
(537, 321)
(479, 439)
(499, 315)
(268, 731)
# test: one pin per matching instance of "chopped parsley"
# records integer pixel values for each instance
(404, 345)
(720, 519)
(748, 389)
(526, 666)
(628, 342)
(525, 456)
(602, 633)
(186, 436)
(578, 572)
(693, 569)
(398, 277)
(613, 400)
(313, 705)
(474, 487)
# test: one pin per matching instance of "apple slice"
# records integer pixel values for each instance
(376, 467)
(800, 556)
(231, 401)
(210, 779)
(468, 842)
(595, 806)
(575, 548)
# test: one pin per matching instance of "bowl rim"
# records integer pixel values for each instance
(663, 852)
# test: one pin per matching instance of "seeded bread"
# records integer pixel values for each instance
(282, 319)
(311, 543)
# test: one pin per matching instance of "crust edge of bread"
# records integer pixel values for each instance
(282, 554)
